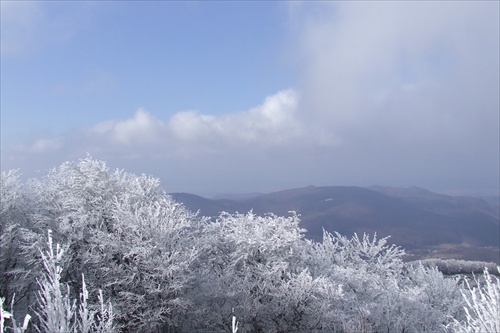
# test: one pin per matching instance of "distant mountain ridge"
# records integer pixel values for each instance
(427, 224)
(433, 200)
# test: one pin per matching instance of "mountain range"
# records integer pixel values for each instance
(426, 224)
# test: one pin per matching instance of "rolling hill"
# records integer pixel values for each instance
(426, 224)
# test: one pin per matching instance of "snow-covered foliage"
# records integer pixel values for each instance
(14, 326)
(255, 264)
(456, 266)
(381, 294)
(428, 294)
(166, 269)
(482, 306)
(126, 236)
(14, 267)
(57, 312)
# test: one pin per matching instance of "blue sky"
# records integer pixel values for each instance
(215, 97)
(92, 61)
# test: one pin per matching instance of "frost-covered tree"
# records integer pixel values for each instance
(254, 265)
(15, 270)
(303, 303)
(428, 301)
(126, 235)
(365, 268)
(56, 311)
(150, 253)
(380, 294)
(10, 216)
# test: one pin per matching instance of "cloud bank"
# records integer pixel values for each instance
(271, 124)
(405, 71)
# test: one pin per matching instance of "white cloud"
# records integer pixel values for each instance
(191, 126)
(142, 128)
(271, 123)
(274, 121)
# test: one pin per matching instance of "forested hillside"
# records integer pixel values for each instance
(87, 249)
(426, 224)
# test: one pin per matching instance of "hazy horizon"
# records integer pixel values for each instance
(491, 197)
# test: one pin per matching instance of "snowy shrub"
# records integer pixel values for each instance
(126, 235)
(14, 327)
(430, 300)
(482, 306)
(255, 265)
(366, 268)
(379, 293)
(57, 312)
(456, 267)
(15, 275)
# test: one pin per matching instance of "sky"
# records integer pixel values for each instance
(236, 97)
